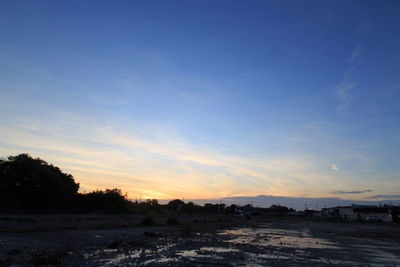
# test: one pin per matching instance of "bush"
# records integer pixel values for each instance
(148, 220)
(108, 201)
(172, 219)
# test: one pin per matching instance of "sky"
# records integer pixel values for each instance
(206, 99)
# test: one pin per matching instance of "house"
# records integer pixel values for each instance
(343, 212)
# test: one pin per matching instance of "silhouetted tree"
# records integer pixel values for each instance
(176, 204)
(278, 209)
(395, 212)
(231, 209)
(149, 205)
(108, 201)
(152, 203)
(34, 185)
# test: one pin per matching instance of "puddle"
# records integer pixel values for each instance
(219, 249)
(114, 256)
(252, 247)
(277, 238)
(188, 253)
(206, 252)
(163, 260)
(379, 255)
(119, 258)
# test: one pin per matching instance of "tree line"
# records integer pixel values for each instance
(32, 185)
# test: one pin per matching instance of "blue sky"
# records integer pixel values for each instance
(206, 99)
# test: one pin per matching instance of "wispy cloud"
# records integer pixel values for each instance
(334, 167)
(356, 55)
(345, 87)
(146, 161)
(340, 192)
(343, 91)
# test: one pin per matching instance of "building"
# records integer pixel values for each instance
(361, 213)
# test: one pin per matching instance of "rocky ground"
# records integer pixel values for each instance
(198, 240)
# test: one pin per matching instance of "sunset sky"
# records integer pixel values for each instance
(206, 99)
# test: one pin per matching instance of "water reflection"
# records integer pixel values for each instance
(278, 238)
(248, 246)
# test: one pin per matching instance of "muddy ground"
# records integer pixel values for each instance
(198, 240)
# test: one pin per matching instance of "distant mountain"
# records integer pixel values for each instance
(302, 203)
(290, 202)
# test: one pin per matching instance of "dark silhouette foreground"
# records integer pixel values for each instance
(32, 185)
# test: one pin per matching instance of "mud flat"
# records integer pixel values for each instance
(198, 240)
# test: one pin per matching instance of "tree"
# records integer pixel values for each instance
(108, 201)
(176, 204)
(34, 185)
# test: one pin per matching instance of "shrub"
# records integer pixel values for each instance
(148, 220)
(108, 201)
(172, 219)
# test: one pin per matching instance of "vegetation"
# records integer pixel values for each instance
(108, 201)
(172, 219)
(148, 220)
(32, 185)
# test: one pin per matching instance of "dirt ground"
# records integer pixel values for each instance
(198, 240)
